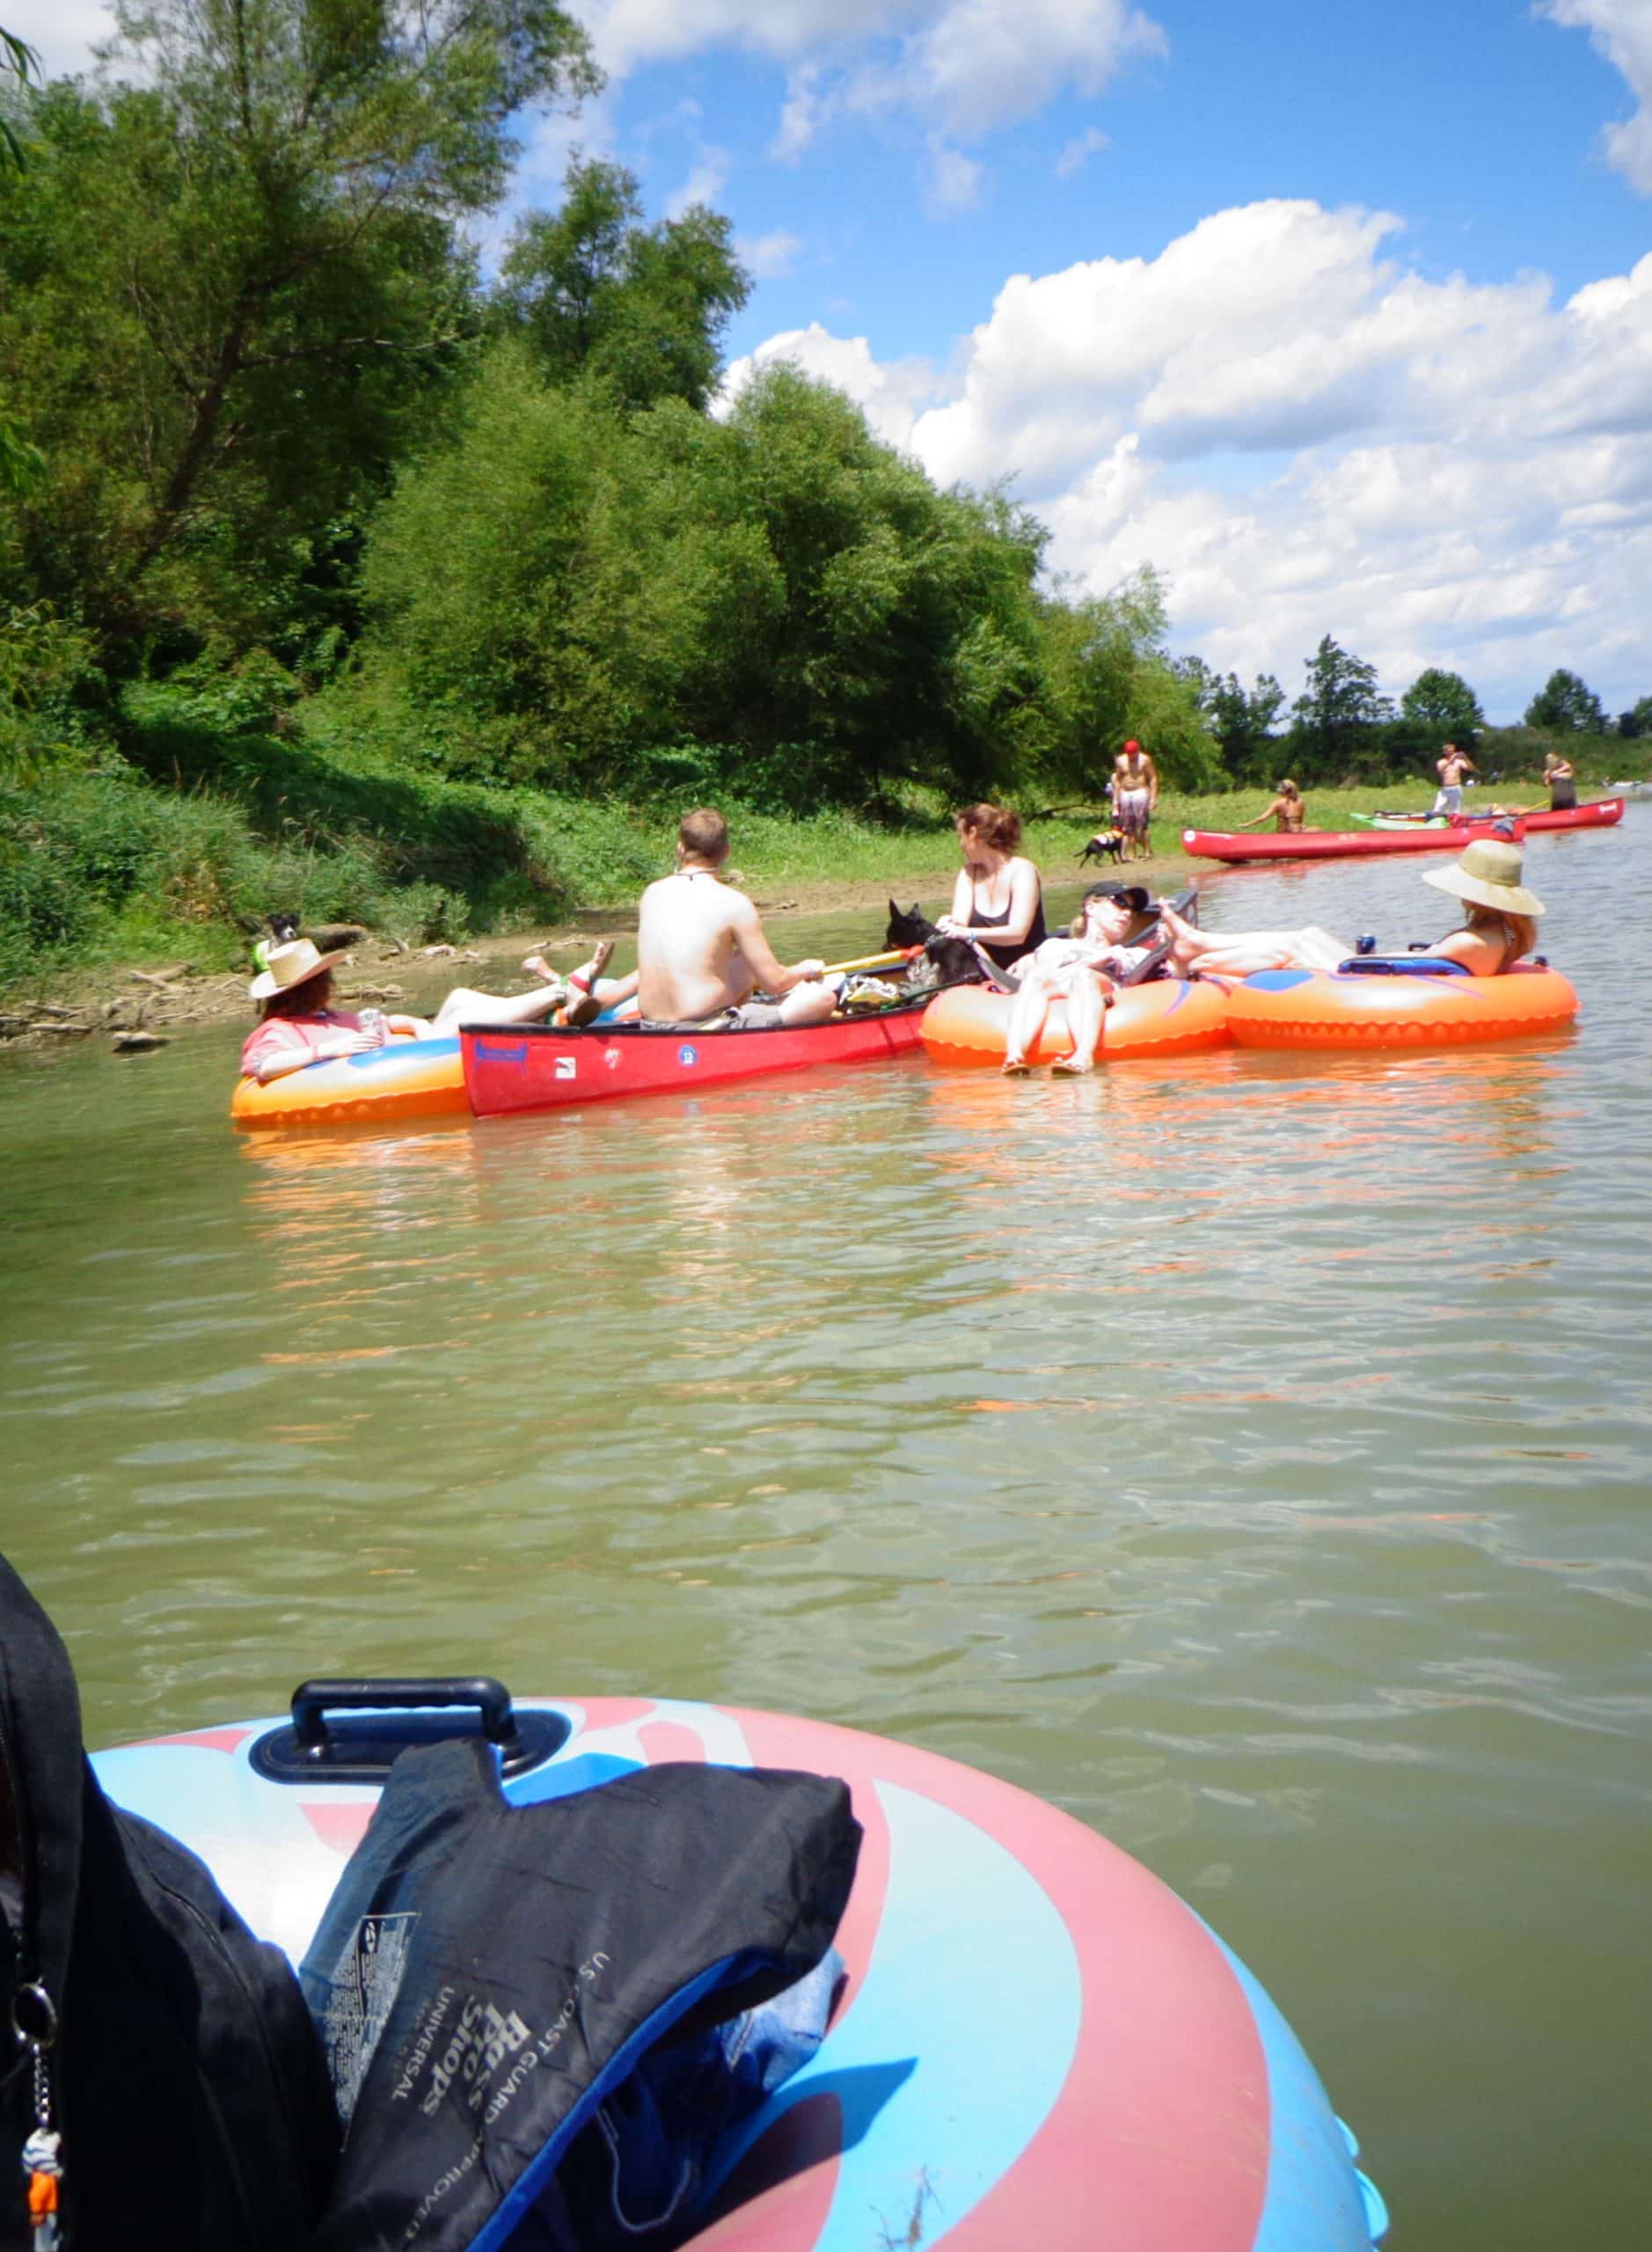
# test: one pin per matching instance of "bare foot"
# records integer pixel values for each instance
(537, 966)
(588, 973)
(1068, 1067)
(1015, 1067)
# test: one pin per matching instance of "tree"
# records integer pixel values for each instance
(1565, 707)
(1637, 720)
(1242, 724)
(228, 288)
(1443, 706)
(19, 61)
(643, 309)
(1335, 719)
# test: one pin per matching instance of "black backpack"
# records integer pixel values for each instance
(169, 2051)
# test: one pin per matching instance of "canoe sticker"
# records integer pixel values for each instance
(688, 1056)
(490, 1051)
(567, 1067)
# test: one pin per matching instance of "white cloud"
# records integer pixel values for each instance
(954, 180)
(1077, 154)
(963, 68)
(1309, 438)
(1621, 30)
(891, 394)
(704, 185)
(63, 32)
(768, 258)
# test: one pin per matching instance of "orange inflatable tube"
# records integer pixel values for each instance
(405, 1078)
(1309, 1008)
(970, 1024)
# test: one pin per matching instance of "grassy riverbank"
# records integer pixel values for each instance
(173, 849)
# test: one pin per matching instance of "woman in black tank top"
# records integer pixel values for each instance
(998, 899)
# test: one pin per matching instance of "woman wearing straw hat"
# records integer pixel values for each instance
(1501, 928)
(298, 1024)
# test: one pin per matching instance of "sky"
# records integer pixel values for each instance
(1339, 316)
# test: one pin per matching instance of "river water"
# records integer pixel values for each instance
(1251, 1453)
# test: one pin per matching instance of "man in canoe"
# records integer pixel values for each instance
(701, 950)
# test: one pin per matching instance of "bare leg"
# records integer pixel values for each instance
(1086, 1005)
(1028, 1013)
(810, 1003)
(464, 1005)
(1240, 953)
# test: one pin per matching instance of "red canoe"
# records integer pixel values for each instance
(1339, 844)
(537, 1067)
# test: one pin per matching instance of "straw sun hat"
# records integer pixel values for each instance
(1489, 874)
(290, 965)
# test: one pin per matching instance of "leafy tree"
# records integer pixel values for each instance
(1564, 706)
(1442, 706)
(1637, 720)
(224, 290)
(641, 308)
(18, 60)
(1336, 718)
(1243, 723)
(1108, 678)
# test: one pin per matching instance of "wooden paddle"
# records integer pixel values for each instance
(872, 962)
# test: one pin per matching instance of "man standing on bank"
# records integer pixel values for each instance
(701, 951)
(1135, 798)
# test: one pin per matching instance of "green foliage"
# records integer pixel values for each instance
(1243, 722)
(1565, 705)
(226, 291)
(1637, 722)
(49, 688)
(1336, 722)
(1441, 707)
(641, 309)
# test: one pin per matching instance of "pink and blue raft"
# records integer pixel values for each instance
(1037, 2043)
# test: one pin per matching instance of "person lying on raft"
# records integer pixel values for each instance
(1501, 928)
(298, 1024)
(1081, 969)
(701, 951)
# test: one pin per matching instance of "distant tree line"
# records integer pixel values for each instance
(273, 442)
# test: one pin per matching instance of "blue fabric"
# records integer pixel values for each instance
(1402, 965)
(639, 2169)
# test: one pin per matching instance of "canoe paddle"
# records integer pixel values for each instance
(871, 961)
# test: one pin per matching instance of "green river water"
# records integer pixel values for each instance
(1251, 1453)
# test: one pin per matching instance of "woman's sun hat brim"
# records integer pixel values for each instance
(296, 964)
(1489, 874)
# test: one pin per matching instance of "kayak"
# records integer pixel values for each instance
(545, 1067)
(1342, 843)
(1598, 813)
(1038, 2043)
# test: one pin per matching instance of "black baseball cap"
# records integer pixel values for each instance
(1133, 896)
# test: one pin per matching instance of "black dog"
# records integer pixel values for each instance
(283, 929)
(946, 961)
(1106, 845)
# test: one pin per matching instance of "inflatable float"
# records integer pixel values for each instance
(405, 1078)
(1406, 1001)
(1039, 2045)
(969, 1024)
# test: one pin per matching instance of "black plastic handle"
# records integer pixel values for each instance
(313, 1701)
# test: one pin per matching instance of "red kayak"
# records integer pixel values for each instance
(1341, 844)
(1447, 837)
(539, 1067)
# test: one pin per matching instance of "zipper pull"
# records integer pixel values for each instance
(35, 2022)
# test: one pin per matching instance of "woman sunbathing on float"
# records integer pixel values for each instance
(1081, 969)
(1500, 928)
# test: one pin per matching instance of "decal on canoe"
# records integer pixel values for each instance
(688, 1056)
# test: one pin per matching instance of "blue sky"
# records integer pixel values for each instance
(1340, 316)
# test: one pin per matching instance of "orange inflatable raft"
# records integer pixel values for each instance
(969, 1024)
(1311, 1008)
(405, 1078)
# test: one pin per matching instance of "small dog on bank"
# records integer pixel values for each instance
(1106, 845)
(946, 961)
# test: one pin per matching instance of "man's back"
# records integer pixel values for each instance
(688, 946)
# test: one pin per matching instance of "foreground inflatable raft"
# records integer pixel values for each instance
(1309, 1008)
(1040, 2048)
(405, 1078)
(970, 1024)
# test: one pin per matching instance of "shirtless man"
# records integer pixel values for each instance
(1135, 798)
(1451, 766)
(701, 949)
